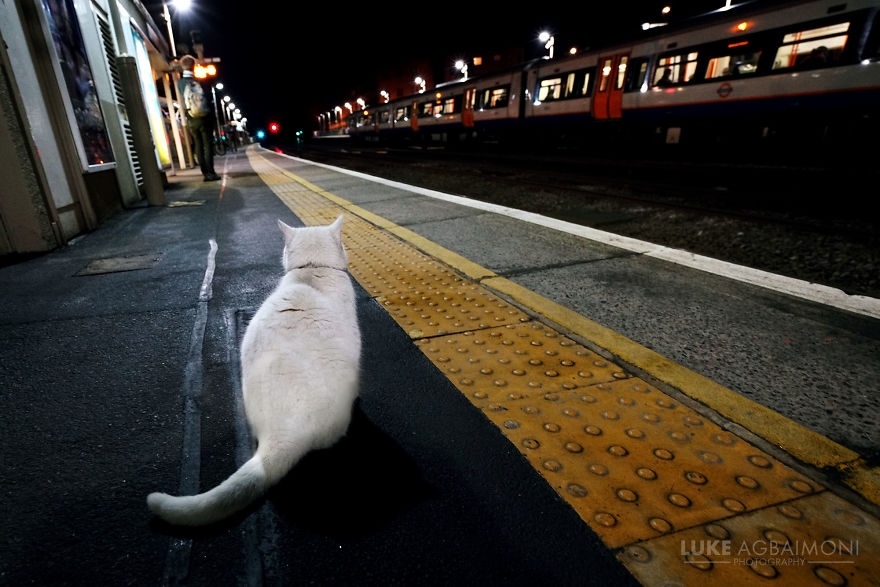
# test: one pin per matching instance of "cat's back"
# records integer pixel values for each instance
(310, 311)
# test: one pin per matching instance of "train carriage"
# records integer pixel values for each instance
(492, 106)
(760, 75)
(798, 73)
(437, 114)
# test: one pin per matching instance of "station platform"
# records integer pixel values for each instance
(665, 482)
(674, 477)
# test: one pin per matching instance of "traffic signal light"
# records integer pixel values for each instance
(274, 128)
(205, 71)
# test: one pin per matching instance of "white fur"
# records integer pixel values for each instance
(300, 368)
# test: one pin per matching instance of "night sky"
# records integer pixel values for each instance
(280, 65)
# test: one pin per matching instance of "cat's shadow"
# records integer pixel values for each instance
(352, 489)
(346, 492)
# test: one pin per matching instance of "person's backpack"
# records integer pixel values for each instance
(194, 99)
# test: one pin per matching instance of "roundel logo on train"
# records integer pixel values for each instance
(724, 90)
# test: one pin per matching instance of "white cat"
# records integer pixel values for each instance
(300, 362)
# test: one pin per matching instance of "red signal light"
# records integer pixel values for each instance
(274, 128)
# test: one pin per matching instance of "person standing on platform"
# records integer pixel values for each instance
(199, 113)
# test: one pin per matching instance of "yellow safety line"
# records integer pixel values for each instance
(795, 439)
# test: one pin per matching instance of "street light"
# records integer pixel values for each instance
(549, 41)
(461, 66)
(420, 81)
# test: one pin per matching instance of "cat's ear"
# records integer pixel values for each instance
(286, 230)
(336, 228)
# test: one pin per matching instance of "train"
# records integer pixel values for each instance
(790, 75)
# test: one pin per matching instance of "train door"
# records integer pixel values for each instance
(414, 116)
(467, 113)
(608, 98)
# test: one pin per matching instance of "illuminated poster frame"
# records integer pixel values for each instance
(151, 99)
(75, 76)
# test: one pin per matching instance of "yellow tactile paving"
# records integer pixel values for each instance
(631, 460)
(684, 501)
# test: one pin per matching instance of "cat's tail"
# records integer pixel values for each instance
(234, 494)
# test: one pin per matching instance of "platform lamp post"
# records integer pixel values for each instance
(184, 158)
(549, 42)
(179, 6)
(214, 89)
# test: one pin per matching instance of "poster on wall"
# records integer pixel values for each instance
(71, 52)
(151, 99)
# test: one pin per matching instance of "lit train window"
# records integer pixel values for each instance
(569, 85)
(621, 73)
(493, 98)
(550, 89)
(401, 114)
(606, 72)
(586, 86)
(498, 98)
(733, 64)
(683, 67)
(574, 84)
(812, 48)
(577, 84)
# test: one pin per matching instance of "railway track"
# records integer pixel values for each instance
(800, 222)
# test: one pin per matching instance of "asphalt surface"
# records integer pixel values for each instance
(117, 344)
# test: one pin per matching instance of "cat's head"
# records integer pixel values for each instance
(313, 246)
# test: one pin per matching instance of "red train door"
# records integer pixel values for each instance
(467, 113)
(608, 97)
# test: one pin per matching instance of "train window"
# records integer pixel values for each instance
(569, 85)
(638, 72)
(621, 72)
(493, 98)
(812, 48)
(586, 83)
(448, 107)
(574, 84)
(736, 62)
(872, 45)
(578, 84)
(499, 97)
(682, 68)
(401, 114)
(384, 117)
(606, 73)
(549, 89)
